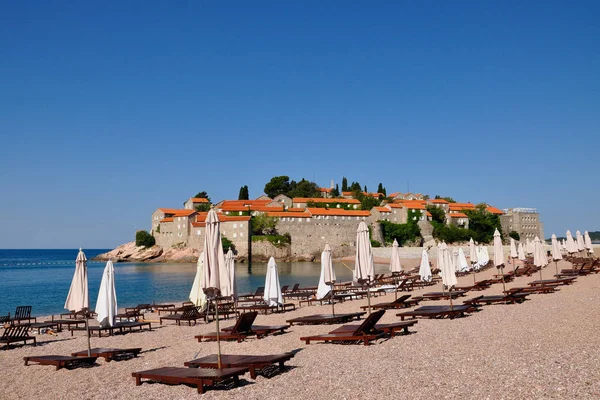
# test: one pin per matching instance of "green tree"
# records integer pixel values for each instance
(365, 190)
(401, 232)
(204, 207)
(303, 188)
(344, 184)
(143, 238)
(278, 185)
(366, 202)
(437, 213)
(336, 192)
(244, 194)
(448, 199)
(227, 244)
(515, 235)
(355, 187)
(263, 225)
(202, 195)
(483, 223)
(381, 189)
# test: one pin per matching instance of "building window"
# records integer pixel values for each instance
(198, 232)
(234, 226)
(234, 235)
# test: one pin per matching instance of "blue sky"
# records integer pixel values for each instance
(110, 110)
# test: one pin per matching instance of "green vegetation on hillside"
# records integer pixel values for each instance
(143, 238)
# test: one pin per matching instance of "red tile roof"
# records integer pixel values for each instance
(338, 212)
(168, 219)
(296, 209)
(495, 210)
(458, 215)
(168, 210)
(429, 214)
(323, 200)
(394, 194)
(326, 190)
(383, 209)
(183, 213)
(439, 201)
(289, 214)
(199, 200)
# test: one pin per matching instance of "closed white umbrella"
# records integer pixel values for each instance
(580, 241)
(463, 266)
(215, 278)
(230, 264)
(529, 247)
(538, 255)
(197, 295)
(106, 304)
(395, 265)
(513, 253)
(424, 268)
(78, 298)
(556, 255)
(447, 270)
(521, 252)
(272, 295)
(571, 246)
(499, 256)
(588, 242)
(327, 280)
(473, 257)
(363, 264)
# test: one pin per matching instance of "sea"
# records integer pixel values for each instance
(41, 279)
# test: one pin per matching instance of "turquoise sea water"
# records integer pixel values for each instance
(41, 278)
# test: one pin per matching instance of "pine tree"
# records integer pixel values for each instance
(336, 192)
(244, 194)
(344, 184)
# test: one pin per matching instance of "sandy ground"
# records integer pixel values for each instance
(547, 347)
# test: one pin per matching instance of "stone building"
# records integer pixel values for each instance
(303, 202)
(525, 221)
(193, 202)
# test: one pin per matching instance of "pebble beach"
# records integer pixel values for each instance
(545, 348)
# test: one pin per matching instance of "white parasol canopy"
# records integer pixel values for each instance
(472, 252)
(513, 249)
(78, 298)
(230, 265)
(215, 274)
(363, 265)
(571, 246)
(462, 265)
(272, 295)
(498, 250)
(106, 304)
(425, 269)
(538, 253)
(580, 241)
(327, 273)
(556, 255)
(529, 247)
(448, 273)
(395, 266)
(588, 242)
(197, 295)
(521, 252)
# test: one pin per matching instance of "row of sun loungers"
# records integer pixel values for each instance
(81, 358)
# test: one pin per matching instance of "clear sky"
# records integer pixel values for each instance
(109, 110)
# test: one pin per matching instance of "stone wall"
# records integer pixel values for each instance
(262, 250)
(309, 236)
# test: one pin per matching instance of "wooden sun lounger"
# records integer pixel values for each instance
(508, 298)
(16, 334)
(121, 327)
(41, 325)
(61, 361)
(364, 332)
(438, 311)
(253, 363)
(79, 314)
(319, 319)
(442, 295)
(402, 302)
(198, 377)
(109, 354)
(558, 281)
(265, 308)
(22, 313)
(389, 329)
(163, 307)
(68, 322)
(239, 331)
(257, 294)
(532, 289)
(188, 315)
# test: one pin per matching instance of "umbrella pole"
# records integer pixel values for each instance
(87, 329)
(502, 272)
(450, 295)
(396, 288)
(474, 280)
(218, 334)
(556, 266)
(332, 300)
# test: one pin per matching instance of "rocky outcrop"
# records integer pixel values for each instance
(131, 252)
(183, 255)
